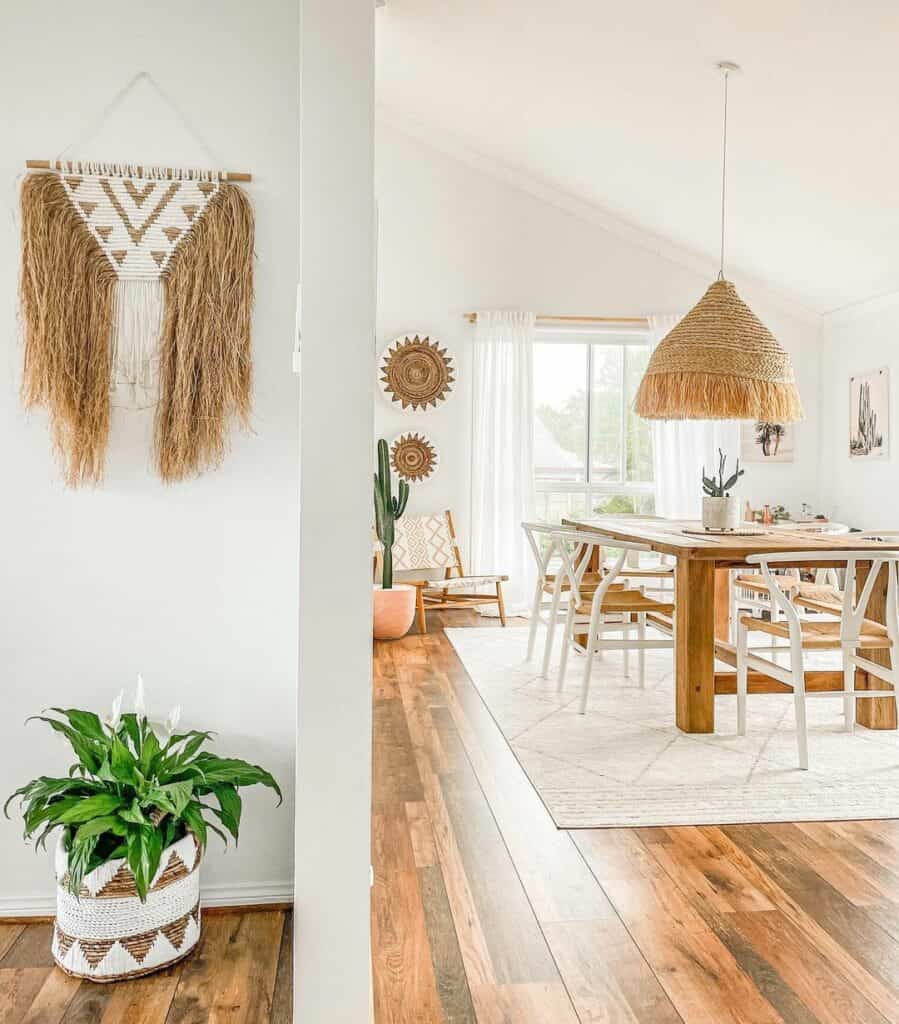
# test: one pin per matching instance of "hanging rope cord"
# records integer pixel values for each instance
(91, 131)
(723, 178)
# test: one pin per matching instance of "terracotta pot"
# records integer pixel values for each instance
(394, 611)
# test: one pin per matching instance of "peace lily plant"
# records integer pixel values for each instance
(133, 791)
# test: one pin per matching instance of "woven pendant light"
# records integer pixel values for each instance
(720, 361)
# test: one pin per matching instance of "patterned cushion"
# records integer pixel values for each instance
(423, 542)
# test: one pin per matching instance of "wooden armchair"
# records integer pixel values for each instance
(426, 543)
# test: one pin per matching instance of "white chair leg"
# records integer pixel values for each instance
(641, 653)
(732, 608)
(848, 686)
(799, 703)
(535, 620)
(550, 633)
(594, 640)
(567, 641)
(742, 677)
(626, 635)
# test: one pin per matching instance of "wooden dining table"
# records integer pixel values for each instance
(702, 609)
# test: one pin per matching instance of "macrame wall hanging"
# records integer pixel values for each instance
(141, 278)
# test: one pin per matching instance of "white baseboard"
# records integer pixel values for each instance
(246, 894)
(239, 894)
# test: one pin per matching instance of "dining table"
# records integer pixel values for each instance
(704, 656)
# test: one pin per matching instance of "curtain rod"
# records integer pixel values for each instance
(642, 321)
(68, 166)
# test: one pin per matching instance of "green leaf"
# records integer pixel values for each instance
(85, 722)
(131, 728)
(214, 769)
(193, 815)
(148, 751)
(195, 741)
(122, 763)
(80, 854)
(133, 814)
(144, 845)
(231, 806)
(97, 826)
(87, 751)
(172, 797)
(90, 807)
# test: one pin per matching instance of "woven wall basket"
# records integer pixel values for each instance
(106, 933)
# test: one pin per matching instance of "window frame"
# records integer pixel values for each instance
(590, 336)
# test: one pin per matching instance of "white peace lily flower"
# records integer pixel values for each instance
(171, 723)
(115, 712)
(140, 708)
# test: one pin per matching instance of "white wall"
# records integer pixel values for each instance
(863, 492)
(454, 238)
(333, 821)
(194, 585)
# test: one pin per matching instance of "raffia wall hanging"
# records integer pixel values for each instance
(144, 277)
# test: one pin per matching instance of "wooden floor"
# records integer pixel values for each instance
(483, 911)
(240, 974)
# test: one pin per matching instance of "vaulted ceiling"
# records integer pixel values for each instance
(618, 105)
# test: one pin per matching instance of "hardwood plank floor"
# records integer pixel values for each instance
(484, 912)
(241, 973)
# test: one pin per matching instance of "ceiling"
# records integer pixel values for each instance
(619, 105)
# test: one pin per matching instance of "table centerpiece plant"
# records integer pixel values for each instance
(720, 510)
(134, 814)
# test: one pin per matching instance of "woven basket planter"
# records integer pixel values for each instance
(105, 933)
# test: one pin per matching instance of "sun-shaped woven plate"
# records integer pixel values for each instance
(414, 457)
(416, 373)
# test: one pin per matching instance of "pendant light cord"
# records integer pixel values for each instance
(723, 177)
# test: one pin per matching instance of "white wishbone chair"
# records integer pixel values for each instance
(750, 590)
(609, 598)
(850, 634)
(547, 541)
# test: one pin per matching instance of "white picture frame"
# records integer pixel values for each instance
(869, 414)
(765, 442)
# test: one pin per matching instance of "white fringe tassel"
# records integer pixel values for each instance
(137, 327)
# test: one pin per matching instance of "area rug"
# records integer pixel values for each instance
(625, 763)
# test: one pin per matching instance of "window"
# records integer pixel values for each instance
(591, 451)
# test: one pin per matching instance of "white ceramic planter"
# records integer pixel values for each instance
(720, 513)
(105, 933)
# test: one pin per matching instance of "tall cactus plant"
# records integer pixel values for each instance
(387, 510)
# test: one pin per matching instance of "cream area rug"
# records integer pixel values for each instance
(626, 763)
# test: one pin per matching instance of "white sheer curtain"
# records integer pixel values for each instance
(680, 449)
(502, 447)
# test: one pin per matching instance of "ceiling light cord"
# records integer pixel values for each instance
(723, 177)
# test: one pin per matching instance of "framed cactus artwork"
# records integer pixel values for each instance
(869, 414)
(762, 441)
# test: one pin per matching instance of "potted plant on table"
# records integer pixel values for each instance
(134, 824)
(394, 606)
(720, 510)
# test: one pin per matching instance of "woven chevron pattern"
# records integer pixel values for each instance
(423, 542)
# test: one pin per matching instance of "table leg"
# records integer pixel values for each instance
(722, 605)
(695, 645)
(875, 714)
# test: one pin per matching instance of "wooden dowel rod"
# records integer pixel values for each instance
(71, 165)
(472, 318)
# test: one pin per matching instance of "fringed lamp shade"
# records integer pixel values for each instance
(719, 362)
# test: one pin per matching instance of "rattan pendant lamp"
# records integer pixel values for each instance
(720, 361)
